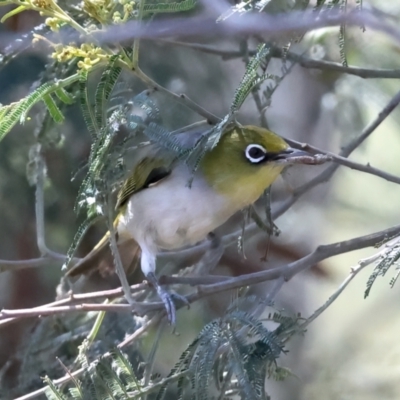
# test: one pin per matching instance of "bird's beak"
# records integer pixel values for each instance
(291, 155)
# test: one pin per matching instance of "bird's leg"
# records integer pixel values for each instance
(148, 265)
(166, 297)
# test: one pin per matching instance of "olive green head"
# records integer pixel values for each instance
(245, 162)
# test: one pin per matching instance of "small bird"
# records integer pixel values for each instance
(158, 210)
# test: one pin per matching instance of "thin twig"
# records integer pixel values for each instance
(364, 262)
(40, 168)
(246, 24)
(288, 271)
(346, 162)
(325, 175)
(180, 98)
(306, 62)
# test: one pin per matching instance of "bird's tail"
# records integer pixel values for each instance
(101, 259)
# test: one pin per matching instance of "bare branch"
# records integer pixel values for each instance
(325, 175)
(287, 272)
(345, 161)
(305, 62)
(364, 262)
(290, 270)
(245, 24)
(49, 259)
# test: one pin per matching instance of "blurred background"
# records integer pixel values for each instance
(351, 351)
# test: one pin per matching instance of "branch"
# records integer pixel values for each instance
(325, 175)
(246, 24)
(288, 271)
(76, 298)
(364, 262)
(179, 98)
(10, 265)
(345, 161)
(305, 62)
(49, 259)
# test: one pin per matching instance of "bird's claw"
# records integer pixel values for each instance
(182, 299)
(167, 298)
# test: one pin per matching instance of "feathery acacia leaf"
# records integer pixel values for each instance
(104, 88)
(53, 393)
(390, 257)
(180, 6)
(251, 78)
(53, 109)
(87, 110)
(92, 218)
(16, 112)
(64, 96)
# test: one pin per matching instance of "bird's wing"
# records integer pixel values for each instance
(149, 171)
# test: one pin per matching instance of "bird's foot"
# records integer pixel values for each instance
(167, 298)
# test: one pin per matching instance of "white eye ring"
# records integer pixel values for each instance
(255, 153)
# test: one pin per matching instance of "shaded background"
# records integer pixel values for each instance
(352, 350)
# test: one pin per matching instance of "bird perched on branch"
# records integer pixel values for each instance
(159, 210)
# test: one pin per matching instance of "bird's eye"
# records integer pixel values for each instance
(255, 153)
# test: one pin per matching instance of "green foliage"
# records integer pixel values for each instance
(17, 112)
(111, 377)
(104, 89)
(91, 219)
(52, 393)
(342, 38)
(53, 109)
(342, 6)
(165, 138)
(87, 110)
(251, 78)
(171, 7)
(232, 354)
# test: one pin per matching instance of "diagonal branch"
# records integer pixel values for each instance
(346, 162)
(306, 62)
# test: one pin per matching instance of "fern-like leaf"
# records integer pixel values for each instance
(53, 393)
(53, 109)
(124, 369)
(104, 89)
(64, 96)
(78, 238)
(251, 78)
(342, 45)
(204, 364)
(172, 7)
(182, 365)
(87, 110)
(17, 112)
(239, 355)
(162, 136)
(257, 328)
(391, 257)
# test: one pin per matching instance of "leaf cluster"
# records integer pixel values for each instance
(390, 257)
(232, 355)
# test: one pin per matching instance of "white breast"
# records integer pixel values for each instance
(171, 215)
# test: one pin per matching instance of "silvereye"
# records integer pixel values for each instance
(160, 211)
